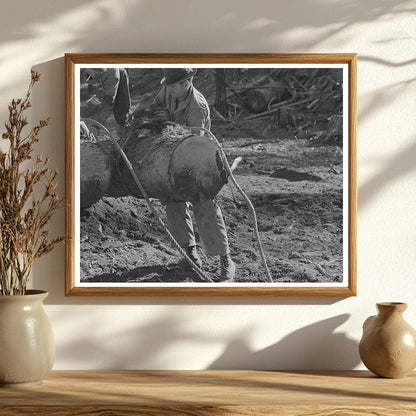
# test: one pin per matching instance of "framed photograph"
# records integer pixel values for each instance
(211, 174)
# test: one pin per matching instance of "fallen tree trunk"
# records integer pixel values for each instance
(259, 98)
(170, 169)
(96, 168)
(277, 107)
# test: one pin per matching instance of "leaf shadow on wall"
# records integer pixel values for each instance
(152, 345)
(142, 347)
(397, 167)
(140, 26)
(402, 163)
(148, 23)
(313, 347)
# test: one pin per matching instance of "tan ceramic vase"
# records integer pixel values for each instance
(27, 347)
(388, 344)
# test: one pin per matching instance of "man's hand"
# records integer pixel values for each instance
(161, 114)
(91, 74)
(85, 133)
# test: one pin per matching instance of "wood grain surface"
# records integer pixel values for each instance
(203, 393)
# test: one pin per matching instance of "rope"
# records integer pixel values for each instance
(194, 267)
(233, 180)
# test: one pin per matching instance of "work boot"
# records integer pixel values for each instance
(227, 268)
(192, 253)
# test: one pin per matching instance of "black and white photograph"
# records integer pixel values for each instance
(208, 175)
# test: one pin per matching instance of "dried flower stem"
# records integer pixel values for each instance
(23, 217)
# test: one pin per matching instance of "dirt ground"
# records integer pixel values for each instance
(294, 181)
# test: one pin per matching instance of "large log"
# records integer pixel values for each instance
(170, 169)
(95, 171)
(258, 99)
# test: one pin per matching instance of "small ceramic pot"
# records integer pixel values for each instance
(27, 347)
(388, 345)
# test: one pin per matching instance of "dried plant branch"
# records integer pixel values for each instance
(24, 217)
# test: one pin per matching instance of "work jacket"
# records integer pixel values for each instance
(193, 111)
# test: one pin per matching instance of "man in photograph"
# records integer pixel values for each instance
(180, 102)
(114, 94)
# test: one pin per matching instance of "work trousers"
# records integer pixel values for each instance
(208, 219)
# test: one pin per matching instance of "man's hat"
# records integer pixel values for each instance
(172, 75)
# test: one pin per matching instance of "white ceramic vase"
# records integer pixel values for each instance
(27, 346)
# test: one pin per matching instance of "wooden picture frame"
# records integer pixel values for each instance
(302, 128)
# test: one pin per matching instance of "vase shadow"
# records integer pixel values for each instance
(314, 347)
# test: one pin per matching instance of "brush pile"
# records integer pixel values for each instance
(308, 101)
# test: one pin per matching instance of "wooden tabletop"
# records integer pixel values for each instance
(203, 393)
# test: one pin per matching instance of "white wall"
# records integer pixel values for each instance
(200, 333)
